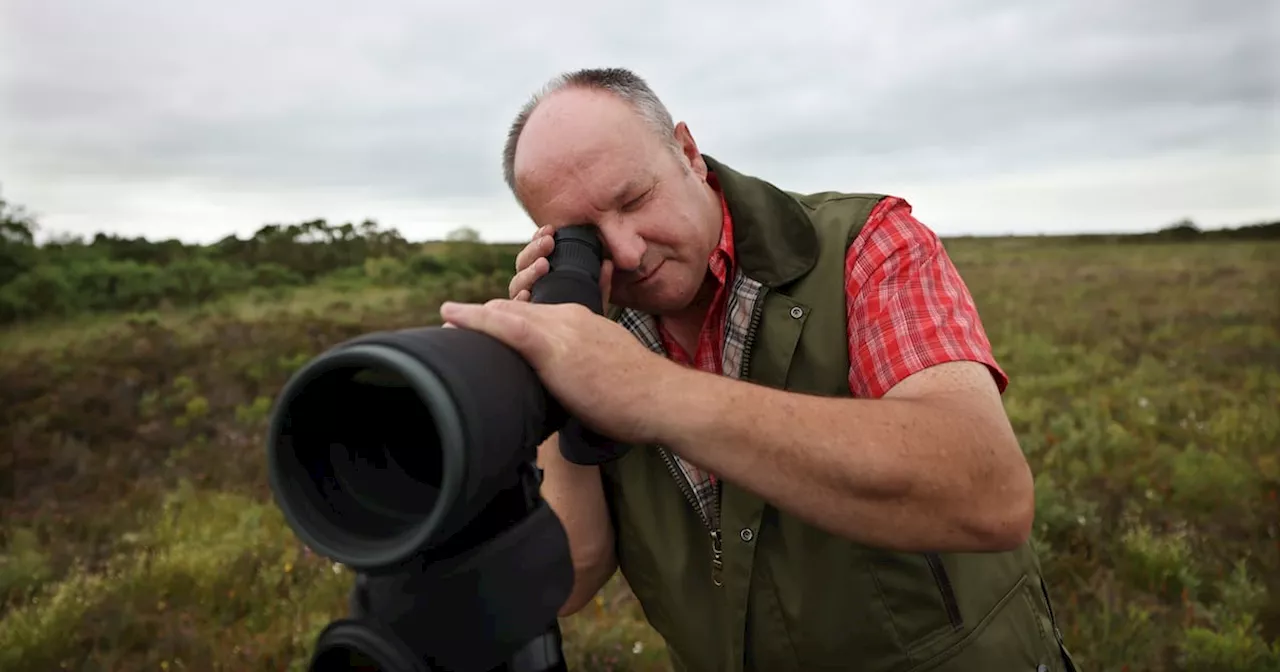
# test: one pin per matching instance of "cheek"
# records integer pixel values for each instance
(665, 228)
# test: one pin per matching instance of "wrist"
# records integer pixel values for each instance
(683, 402)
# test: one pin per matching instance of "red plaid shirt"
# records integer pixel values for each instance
(907, 306)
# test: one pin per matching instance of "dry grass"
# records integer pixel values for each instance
(138, 532)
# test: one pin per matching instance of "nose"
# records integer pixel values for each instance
(625, 249)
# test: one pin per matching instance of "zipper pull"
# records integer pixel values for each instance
(716, 553)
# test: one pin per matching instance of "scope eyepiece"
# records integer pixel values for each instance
(575, 262)
(587, 234)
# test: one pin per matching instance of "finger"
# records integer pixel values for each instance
(498, 318)
(524, 280)
(540, 316)
(523, 295)
(537, 248)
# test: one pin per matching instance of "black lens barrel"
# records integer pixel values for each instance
(409, 456)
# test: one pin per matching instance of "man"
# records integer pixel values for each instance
(822, 476)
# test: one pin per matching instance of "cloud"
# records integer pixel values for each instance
(199, 120)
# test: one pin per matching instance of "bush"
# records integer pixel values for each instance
(98, 284)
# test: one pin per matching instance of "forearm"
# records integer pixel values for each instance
(908, 474)
(575, 494)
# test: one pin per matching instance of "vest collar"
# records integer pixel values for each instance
(774, 241)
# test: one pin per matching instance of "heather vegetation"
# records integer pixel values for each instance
(138, 532)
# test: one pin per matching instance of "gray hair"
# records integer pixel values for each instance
(619, 81)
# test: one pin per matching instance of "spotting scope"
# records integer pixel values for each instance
(410, 457)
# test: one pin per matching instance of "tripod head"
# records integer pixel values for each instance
(410, 456)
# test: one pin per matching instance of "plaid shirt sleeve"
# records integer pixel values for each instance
(908, 308)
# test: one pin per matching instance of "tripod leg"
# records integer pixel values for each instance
(541, 654)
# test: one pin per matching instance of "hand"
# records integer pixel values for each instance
(532, 264)
(597, 369)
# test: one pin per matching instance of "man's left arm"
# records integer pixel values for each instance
(923, 458)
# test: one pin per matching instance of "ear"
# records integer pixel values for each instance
(689, 150)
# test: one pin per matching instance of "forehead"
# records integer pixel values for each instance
(581, 150)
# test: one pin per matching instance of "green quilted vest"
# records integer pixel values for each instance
(764, 591)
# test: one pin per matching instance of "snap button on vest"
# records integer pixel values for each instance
(797, 312)
(746, 534)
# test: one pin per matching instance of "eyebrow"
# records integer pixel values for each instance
(621, 195)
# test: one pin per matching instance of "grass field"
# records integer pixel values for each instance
(138, 532)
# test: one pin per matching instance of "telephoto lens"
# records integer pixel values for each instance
(410, 457)
(393, 441)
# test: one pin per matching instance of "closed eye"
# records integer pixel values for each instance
(636, 202)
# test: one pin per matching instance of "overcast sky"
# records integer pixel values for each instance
(198, 120)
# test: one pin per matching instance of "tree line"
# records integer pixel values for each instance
(74, 275)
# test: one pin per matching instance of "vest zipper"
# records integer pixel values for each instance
(713, 526)
(684, 485)
(756, 311)
(717, 551)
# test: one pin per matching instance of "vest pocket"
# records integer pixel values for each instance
(917, 594)
(948, 593)
(1010, 636)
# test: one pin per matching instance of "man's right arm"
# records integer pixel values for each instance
(576, 496)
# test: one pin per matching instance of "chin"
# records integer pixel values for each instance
(659, 303)
(664, 296)
(647, 302)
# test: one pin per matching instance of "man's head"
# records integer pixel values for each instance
(597, 146)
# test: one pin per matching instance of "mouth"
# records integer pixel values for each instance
(650, 275)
